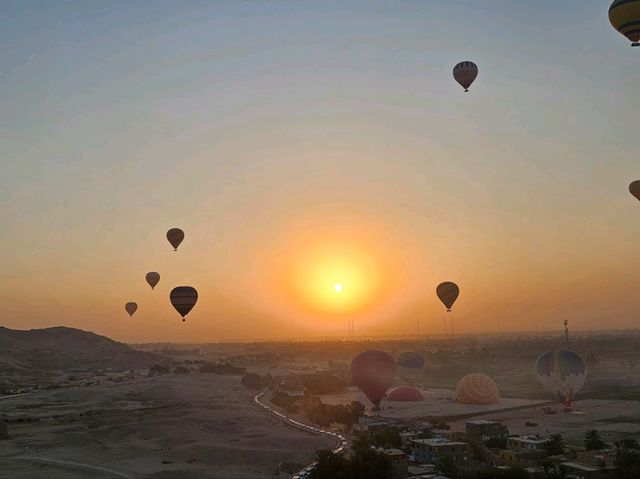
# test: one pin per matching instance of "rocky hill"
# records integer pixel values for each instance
(63, 348)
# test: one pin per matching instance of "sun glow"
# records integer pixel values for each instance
(337, 279)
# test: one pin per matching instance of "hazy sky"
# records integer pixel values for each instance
(302, 143)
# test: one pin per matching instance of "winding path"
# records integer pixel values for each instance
(341, 446)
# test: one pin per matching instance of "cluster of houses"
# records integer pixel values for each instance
(471, 452)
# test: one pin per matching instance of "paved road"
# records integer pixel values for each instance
(75, 465)
(341, 446)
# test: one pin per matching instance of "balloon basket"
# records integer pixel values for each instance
(635, 44)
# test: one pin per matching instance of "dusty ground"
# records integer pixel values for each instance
(614, 419)
(192, 426)
(437, 403)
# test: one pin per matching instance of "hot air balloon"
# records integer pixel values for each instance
(477, 388)
(373, 372)
(624, 15)
(465, 73)
(152, 278)
(563, 373)
(410, 360)
(183, 298)
(175, 237)
(410, 366)
(634, 189)
(448, 293)
(131, 308)
(406, 394)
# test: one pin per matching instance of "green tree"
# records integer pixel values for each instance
(593, 442)
(555, 445)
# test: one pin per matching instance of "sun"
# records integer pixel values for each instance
(338, 287)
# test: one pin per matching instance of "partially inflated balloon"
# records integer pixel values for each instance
(410, 366)
(152, 278)
(562, 373)
(183, 298)
(624, 15)
(410, 360)
(131, 308)
(634, 189)
(373, 372)
(448, 293)
(175, 237)
(465, 73)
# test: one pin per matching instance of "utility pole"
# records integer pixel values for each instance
(566, 332)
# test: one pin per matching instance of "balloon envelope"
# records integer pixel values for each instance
(465, 73)
(131, 308)
(477, 388)
(448, 293)
(624, 15)
(410, 360)
(373, 372)
(175, 237)
(183, 299)
(634, 189)
(562, 373)
(152, 279)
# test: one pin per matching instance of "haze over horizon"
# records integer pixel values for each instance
(302, 145)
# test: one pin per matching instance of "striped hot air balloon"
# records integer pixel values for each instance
(477, 388)
(624, 15)
(183, 299)
(465, 73)
(562, 373)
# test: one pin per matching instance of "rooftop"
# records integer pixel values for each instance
(439, 441)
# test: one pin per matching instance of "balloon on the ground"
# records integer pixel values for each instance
(152, 278)
(131, 308)
(465, 73)
(448, 292)
(561, 372)
(477, 388)
(175, 237)
(634, 189)
(373, 372)
(624, 15)
(183, 299)
(406, 394)
(410, 360)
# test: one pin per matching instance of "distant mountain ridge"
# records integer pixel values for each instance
(63, 348)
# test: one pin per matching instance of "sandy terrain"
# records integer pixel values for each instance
(197, 425)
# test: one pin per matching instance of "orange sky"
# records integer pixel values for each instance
(301, 146)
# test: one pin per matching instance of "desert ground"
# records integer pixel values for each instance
(187, 426)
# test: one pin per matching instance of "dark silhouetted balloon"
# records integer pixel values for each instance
(131, 308)
(624, 15)
(410, 360)
(183, 298)
(175, 237)
(634, 189)
(465, 73)
(152, 278)
(373, 372)
(448, 293)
